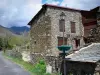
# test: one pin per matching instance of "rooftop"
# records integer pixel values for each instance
(63, 7)
(54, 6)
(85, 12)
(90, 53)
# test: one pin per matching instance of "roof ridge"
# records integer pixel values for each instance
(63, 7)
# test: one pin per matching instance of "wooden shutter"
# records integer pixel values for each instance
(61, 25)
(60, 41)
(73, 28)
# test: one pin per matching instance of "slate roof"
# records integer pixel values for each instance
(90, 53)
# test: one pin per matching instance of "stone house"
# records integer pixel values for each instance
(90, 20)
(87, 60)
(47, 29)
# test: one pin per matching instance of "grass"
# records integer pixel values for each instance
(20, 62)
(27, 66)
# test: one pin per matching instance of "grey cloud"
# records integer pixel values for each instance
(20, 12)
(13, 12)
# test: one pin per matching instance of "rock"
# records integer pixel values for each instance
(48, 69)
(26, 56)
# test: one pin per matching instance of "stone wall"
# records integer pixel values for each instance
(40, 35)
(45, 30)
(44, 33)
(94, 36)
(74, 16)
(97, 69)
(82, 68)
(50, 60)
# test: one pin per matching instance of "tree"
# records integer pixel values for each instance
(1, 43)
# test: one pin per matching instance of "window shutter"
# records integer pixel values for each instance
(73, 28)
(60, 41)
(61, 25)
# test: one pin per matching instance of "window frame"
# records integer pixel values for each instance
(61, 23)
(60, 41)
(73, 28)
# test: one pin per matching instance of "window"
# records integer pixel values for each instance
(77, 42)
(60, 41)
(73, 29)
(35, 42)
(62, 25)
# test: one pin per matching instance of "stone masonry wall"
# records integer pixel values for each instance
(74, 16)
(40, 35)
(45, 30)
(94, 36)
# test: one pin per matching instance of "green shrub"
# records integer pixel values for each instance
(40, 68)
(47, 74)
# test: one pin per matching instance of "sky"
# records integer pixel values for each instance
(20, 12)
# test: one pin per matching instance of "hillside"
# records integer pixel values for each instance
(19, 30)
(4, 32)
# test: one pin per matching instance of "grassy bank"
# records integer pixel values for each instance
(38, 69)
(20, 62)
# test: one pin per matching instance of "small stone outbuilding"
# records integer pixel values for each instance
(86, 61)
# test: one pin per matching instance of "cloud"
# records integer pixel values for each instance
(20, 12)
(54, 2)
(15, 12)
(81, 4)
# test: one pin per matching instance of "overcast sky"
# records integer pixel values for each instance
(20, 12)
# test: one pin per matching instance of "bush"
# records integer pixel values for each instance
(40, 68)
(4, 43)
(47, 74)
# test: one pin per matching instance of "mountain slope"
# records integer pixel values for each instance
(19, 30)
(4, 32)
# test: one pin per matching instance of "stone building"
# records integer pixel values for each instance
(87, 60)
(47, 29)
(91, 22)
